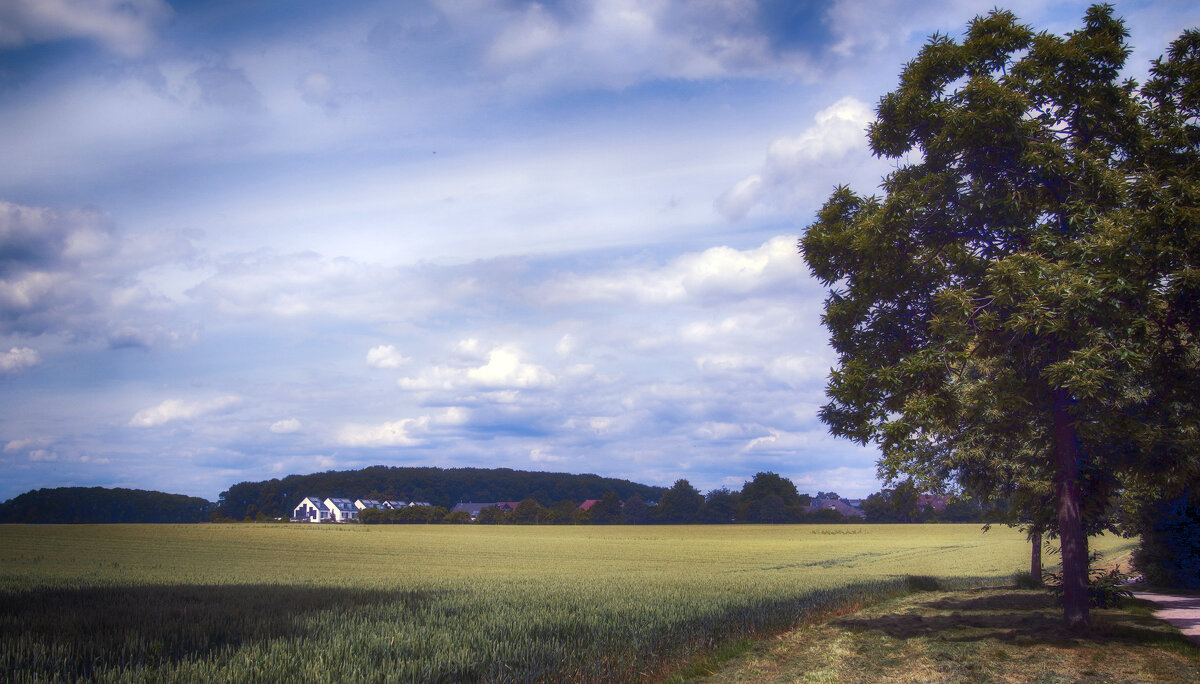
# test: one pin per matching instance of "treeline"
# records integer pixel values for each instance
(767, 498)
(101, 505)
(440, 487)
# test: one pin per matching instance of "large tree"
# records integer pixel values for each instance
(1017, 312)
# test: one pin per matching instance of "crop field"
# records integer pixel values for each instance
(443, 603)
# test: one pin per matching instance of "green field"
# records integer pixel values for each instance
(287, 602)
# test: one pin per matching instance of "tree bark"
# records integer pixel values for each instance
(1035, 555)
(1071, 536)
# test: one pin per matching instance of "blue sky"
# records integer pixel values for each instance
(244, 240)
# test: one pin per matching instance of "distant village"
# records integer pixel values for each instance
(314, 509)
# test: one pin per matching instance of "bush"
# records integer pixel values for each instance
(1169, 552)
(1025, 580)
(1106, 588)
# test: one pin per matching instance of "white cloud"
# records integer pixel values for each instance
(286, 426)
(544, 455)
(504, 370)
(395, 433)
(715, 273)
(25, 444)
(618, 43)
(67, 272)
(386, 356)
(178, 409)
(123, 26)
(796, 170)
(42, 455)
(404, 432)
(534, 33)
(18, 359)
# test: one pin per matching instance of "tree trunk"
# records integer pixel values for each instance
(1070, 522)
(1035, 556)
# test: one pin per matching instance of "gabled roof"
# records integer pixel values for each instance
(836, 505)
(342, 504)
(471, 508)
(395, 504)
(312, 501)
(507, 505)
(587, 505)
(367, 503)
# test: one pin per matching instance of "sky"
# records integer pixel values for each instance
(245, 240)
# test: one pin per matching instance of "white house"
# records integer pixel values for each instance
(364, 504)
(426, 504)
(395, 505)
(341, 510)
(311, 509)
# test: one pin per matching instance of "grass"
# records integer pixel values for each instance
(981, 635)
(447, 603)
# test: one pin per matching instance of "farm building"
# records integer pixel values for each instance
(935, 501)
(341, 510)
(471, 509)
(311, 509)
(836, 505)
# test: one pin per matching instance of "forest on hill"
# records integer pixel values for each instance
(102, 505)
(440, 487)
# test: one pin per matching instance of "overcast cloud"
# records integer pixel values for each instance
(243, 240)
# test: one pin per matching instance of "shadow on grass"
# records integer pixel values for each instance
(73, 632)
(1019, 616)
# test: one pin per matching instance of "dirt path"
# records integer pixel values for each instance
(1181, 611)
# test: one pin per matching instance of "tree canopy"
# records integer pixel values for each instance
(103, 505)
(1018, 312)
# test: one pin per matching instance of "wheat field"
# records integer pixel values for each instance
(442, 603)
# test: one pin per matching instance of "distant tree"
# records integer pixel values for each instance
(371, 516)
(680, 504)
(897, 504)
(454, 517)
(607, 511)
(490, 515)
(720, 506)
(104, 505)
(560, 512)
(528, 512)
(825, 516)
(770, 498)
(636, 511)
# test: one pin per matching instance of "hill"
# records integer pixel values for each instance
(440, 487)
(101, 505)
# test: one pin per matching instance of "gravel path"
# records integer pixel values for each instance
(1181, 611)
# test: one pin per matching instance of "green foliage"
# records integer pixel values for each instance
(1169, 552)
(771, 498)
(528, 512)
(102, 505)
(1018, 314)
(679, 504)
(408, 515)
(1106, 588)
(607, 511)
(441, 487)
